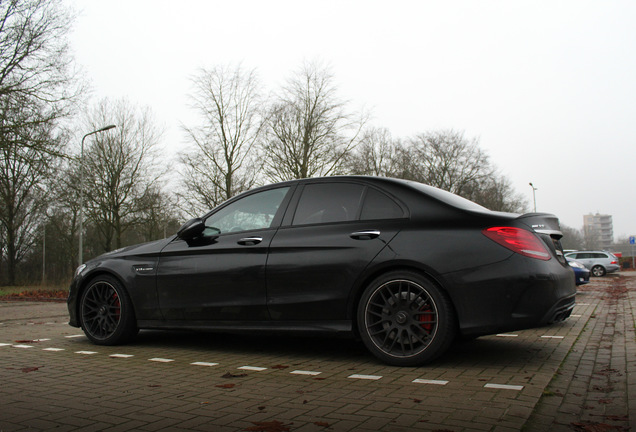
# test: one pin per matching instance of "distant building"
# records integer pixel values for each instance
(600, 228)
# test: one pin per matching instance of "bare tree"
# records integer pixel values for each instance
(375, 154)
(447, 160)
(496, 193)
(591, 238)
(572, 238)
(119, 169)
(310, 132)
(158, 216)
(35, 68)
(223, 161)
(444, 159)
(63, 210)
(23, 173)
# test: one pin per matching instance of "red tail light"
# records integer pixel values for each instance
(518, 240)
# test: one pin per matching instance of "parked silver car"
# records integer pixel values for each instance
(599, 262)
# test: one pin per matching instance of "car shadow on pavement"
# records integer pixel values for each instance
(489, 350)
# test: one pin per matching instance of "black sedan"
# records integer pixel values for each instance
(405, 266)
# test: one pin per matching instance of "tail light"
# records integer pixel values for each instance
(518, 240)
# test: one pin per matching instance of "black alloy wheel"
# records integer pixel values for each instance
(406, 320)
(106, 312)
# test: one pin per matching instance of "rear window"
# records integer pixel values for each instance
(379, 206)
(447, 197)
(328, 203)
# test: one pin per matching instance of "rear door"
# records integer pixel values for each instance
(338, 227)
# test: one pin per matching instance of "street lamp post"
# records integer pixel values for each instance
(81, 185)
(534, 197)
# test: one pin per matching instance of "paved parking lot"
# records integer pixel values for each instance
(578, 375)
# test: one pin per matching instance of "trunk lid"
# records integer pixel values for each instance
(547, 227)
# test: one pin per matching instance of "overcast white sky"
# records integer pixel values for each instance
(548, 87)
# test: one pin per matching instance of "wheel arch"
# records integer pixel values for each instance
(86, 281)
(354, 302)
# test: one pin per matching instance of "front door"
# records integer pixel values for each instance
(220, 276)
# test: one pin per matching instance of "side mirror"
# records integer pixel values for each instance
(191, 229)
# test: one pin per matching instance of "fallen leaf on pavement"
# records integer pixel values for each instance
(268, 426)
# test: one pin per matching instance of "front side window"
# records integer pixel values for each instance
(253, 212)
(328, 203)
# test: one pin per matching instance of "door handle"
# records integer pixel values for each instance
(365, 235)
(248, 241)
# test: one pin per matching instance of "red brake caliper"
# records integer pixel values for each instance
(117, 305)
(427, 324)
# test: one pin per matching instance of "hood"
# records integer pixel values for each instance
(149, 248)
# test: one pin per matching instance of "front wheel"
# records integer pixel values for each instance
(405, 319)
(106, 312)
(598, 271)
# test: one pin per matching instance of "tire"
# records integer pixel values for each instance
(405, 319)
(598, 271)
(106, 312)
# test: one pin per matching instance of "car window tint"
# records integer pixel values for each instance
(328, 202)
(379, 206)
(253, 212)
(584, 255)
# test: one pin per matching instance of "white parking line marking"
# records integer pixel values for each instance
(161, 360)
(41, 340)
(74, 336)
(504, 386)
(253, 368)
(204, 364)
(121, 355)
(576, 316)
(552, 337)
(303, 372)
(507, 335)
(86, 352)
(427, 381)
(5, 344)
(582, 304)
(22, 346)
(365, 377)
(53, 349)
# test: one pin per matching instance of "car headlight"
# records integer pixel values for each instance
(79, 270)
(576, 264)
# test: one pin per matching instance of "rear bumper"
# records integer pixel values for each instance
(514, 294)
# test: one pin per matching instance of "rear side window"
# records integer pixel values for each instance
(328, 203)
(379, 206)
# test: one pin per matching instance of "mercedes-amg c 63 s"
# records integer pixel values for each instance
(406, 267)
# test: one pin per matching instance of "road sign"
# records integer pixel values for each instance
(632, 239)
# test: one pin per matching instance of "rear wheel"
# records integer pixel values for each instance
(405, 320)
(106, 312)
(598, 271)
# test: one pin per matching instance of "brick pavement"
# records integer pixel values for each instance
(594, 390)
(573, 376)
